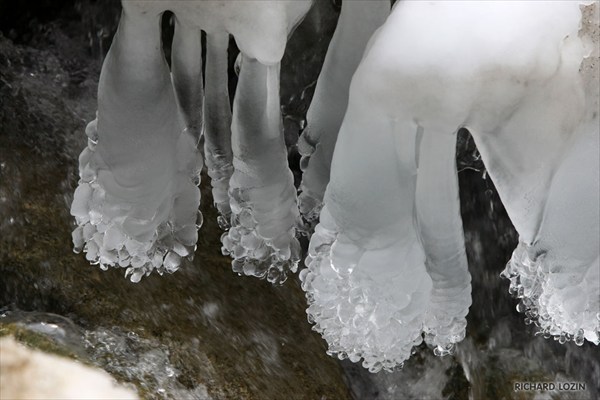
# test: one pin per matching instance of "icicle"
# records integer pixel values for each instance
(263, 201)
(556, 278)
(553, 197)
(136, 200)
(186, 61)
(371, 287)
(217, 131)
(366, 282)
(358, 20)
(440, 226)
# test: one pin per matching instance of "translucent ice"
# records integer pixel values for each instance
(554, 271)
(357, 22)
(387, 261)
(260, 27)
(186, 69)
(264, 216)
(217, 131)
(440, 227)
(137, 202)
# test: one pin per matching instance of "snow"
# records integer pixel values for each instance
(32, 374)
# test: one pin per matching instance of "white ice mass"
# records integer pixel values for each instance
(386, 265)
(262, 238)
(386, 262)
(137, 201)
(357, 22)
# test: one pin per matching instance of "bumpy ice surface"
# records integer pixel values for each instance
(137, 200)
(357, 22)
(387, 262)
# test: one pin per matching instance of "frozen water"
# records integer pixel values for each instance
(137, 199)
(555, 271)
(358, 20)
(387, 261)
(217, 128)
(259, 27)
(386, 265)
(186, 69)
(364, 313)
(440, 227)
(264, 215)
(557, 277)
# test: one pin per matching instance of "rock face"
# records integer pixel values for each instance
(32, 374)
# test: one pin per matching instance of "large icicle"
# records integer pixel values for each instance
(555, 270)
(366, 282)
(358, 20)
(186, 68)
(262, 203)
(137, 200)
(136, 203)
(263, 200)
(440, 225)
(217, 124)
(557, 277)
(432, 68)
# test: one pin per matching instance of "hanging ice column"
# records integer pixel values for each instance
(264, 215)
(387, 261)
(136, 203)
(263, 200)
(380, 259)
(217, 131)
(440, 228)
(260, 206)
(357, 22)
(550, 186)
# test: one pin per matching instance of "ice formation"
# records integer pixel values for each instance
(386, 266)
(262, 238)
(357, 22)
(217, 124)
(136, 205)
(137, 201)
(386, 262)
(554, 201)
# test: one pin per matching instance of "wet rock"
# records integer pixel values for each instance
(33, 374)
